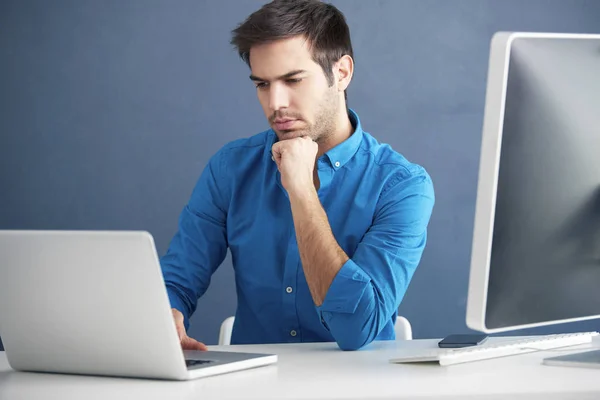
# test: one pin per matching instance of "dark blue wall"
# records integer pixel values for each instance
(110, 109)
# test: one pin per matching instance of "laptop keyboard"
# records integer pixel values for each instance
(197, 363)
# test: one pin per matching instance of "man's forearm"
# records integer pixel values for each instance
(321, 255)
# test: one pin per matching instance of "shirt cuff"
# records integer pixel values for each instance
(346, 290)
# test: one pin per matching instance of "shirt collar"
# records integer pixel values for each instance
(340, 154)
(343, 152)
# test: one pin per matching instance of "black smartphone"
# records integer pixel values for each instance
(462, 340)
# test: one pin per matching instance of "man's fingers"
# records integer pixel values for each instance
(276, 157)
(187, 343)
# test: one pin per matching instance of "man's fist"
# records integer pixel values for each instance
(295, 159)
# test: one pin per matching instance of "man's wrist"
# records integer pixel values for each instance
(303, 194)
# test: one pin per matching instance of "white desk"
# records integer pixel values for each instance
(321, 371)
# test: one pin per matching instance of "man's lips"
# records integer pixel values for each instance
(283, 124)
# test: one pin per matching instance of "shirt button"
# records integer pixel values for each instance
(337, 164)
(293, 333)
(289, 289)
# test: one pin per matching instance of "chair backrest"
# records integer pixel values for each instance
(403, 330)
(225, 332)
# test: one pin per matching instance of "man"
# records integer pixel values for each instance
(326, 226)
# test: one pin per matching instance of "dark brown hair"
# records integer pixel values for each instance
(321, 23)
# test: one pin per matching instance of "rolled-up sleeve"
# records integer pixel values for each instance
(369, 287)
(200, 244)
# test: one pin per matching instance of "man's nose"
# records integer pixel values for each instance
(278, 97)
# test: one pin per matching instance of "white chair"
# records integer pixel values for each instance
(403, 330)
(225, 332)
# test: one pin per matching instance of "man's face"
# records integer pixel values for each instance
(293, 90)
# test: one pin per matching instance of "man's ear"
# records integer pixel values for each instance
(343, 70)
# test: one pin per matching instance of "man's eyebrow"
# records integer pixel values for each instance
(284, 76)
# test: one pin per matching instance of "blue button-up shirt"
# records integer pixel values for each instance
(378, 205)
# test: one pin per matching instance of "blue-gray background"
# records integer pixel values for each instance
(110, 109)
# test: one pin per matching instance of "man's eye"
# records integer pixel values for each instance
(261, 85)
(293, 80)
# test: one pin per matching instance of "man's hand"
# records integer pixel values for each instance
(187, 343)
(321, 255)
(295, 159)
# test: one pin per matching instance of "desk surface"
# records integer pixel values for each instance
(321, 371)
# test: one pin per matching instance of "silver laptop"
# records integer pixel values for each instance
(94, 303)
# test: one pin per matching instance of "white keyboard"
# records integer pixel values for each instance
(493, 350)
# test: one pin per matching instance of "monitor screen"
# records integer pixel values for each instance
(536, 245)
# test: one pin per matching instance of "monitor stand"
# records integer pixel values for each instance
(586, 359)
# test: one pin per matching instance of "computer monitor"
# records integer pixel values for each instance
(536, 244)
